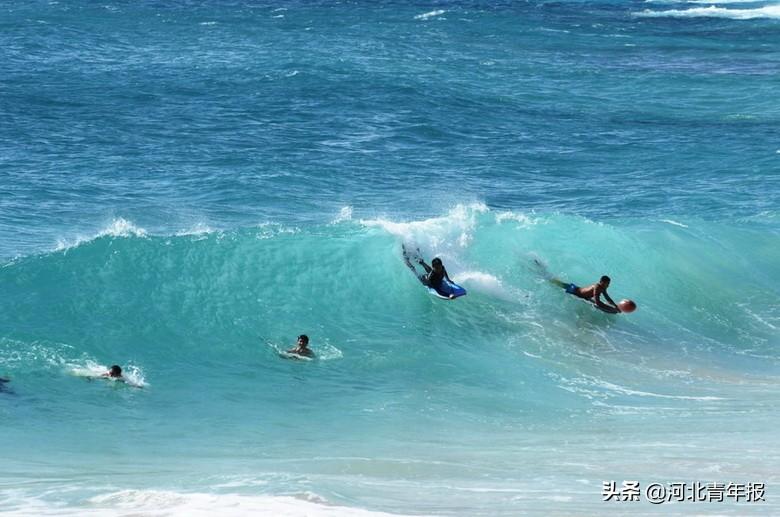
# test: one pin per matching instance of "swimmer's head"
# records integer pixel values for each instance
(626, 306)
(436, 263)
(605, 280)
(115, 371)
(303, 340)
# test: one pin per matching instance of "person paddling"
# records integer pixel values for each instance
(593, 294)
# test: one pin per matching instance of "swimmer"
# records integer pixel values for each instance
(593, 294)
(435, 274)
(302, 347)
(115, 372)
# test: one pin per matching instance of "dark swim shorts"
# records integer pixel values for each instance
(571, 289)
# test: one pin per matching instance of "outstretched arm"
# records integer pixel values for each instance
(606, 296)
(603, 306)
(446, 275)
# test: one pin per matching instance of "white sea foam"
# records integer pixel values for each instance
(345, 214)
(198, 229)
(757, 317)
(487, 283)
(705, 2)
(627, 391)
(431, 14)
(15, 353)
(269, 230)
(768, 11)
(326, 352)
(523, 219)
(456, 227)
(160, 503)
(119, 227)
(675, 223)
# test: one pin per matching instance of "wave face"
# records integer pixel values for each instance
(200, 320)
(187, 186)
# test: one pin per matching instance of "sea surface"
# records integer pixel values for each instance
(186, 186)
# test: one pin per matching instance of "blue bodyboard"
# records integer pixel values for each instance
(447, 288)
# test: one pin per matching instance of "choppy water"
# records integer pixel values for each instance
(185, 187)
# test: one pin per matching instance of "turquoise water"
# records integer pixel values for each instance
(186, 187)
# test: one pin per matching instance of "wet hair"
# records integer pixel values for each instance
(115, 371)
(605, 279)
(304, 338)
(436, 262)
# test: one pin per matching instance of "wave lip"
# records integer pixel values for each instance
(456, 226)
(119, 227)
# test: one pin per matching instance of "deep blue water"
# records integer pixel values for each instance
(187, 186)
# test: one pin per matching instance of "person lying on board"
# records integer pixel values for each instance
(436, 273)
(302, 347)
(593, 294)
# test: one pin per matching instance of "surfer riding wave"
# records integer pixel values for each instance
(435, 277)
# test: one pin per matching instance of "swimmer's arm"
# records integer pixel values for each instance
(296, 354)
(609, 299)
(596, 299)
(425, 266)
(603, 306)
(446, 275)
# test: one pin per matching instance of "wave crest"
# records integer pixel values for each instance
(768, 11)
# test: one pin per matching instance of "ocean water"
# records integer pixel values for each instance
(187, 186)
